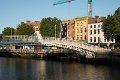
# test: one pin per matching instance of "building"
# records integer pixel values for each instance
(96, 35)
(64, 30)
(96, 19)
(68, 29)
(35, 24)
(76, 28)
(71, 30)
(81, 29)
(87, 29)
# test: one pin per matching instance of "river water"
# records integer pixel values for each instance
(33, 69)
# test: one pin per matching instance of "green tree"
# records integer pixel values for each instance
(24, 30)
(111, 26)
(117, 25)
(47, 27)
(8, 31)
(117, 21)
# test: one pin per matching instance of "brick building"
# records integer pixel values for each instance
(35, 24)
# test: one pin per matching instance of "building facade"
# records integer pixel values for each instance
(89, 29)
(81, 29)
(67, 29)
(96, 35)
(63, 30)
(77, 29)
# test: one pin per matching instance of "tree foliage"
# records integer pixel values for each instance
(8, 31)
(47, 27)
(111, 25)
(117, 21)
(24, 30)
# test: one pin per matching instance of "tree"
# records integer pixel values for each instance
(8, 31)
(117, 21)
(24, 30)
(111, 26)
(47, 27)
(117, 24)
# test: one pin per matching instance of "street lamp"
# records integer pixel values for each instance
(11, 39)
(55, 33)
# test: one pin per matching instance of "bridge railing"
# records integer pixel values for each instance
(79, 44)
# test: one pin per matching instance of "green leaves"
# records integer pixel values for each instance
(8, 31)
(47, 28)
(109, 25)
(117, 20)
(24, 30)
(112, 24)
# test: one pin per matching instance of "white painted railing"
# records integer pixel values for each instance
(74, 45)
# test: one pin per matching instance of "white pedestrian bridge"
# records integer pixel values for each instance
(80, 47)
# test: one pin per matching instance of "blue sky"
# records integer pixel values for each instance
(12, 12)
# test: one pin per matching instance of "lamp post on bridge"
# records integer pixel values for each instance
(11, 38)
(55, 33)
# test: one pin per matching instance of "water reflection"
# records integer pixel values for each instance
(28, 69)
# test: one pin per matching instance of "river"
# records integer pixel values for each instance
(34, 69)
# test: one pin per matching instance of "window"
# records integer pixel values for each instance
(77, 37)
(90, 39)
(99, 25)
(80, 37)
(77, 24)
(94, 39)
(105, 39)
(90, 26)
(80, 30)
(85, 23)
(77, 30)
(94, 26)
(112, 39)
(94, 31)
(98, 39)
(85, 37)
(90, 31)
(61, 33)
(65, 28)
(85, 30)
(98, 31)
(65, 33)
(81, 23)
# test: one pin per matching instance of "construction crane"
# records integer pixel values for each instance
(89, 5)
(62, 1)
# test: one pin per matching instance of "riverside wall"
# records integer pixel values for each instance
(100, 58)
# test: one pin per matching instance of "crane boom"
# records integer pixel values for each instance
(62, 1)
(89, 5)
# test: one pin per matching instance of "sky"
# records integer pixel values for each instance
(13, 12)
